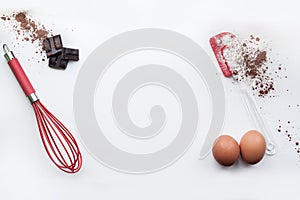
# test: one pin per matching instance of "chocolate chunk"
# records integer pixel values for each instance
(70, 54)
(57, 42)
(53, 45)
(57, 54)
(57, 62)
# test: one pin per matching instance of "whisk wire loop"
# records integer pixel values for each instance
(56, 137)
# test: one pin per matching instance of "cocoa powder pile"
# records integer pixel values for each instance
(255, 68)
(26, 28)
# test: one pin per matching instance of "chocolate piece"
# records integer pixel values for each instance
(57, 42)
(57, 54)
(53, 45)
(70, 54)
(57, 62)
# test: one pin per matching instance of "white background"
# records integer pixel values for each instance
(27, 173)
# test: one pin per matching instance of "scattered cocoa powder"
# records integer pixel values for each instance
(36, 31)
(290, 132)
(255, 67)
(21, 17)
(27, 29)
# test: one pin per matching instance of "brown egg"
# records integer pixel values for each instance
(253, 147)
(226, 150)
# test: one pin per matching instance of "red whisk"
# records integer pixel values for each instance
(59, 143)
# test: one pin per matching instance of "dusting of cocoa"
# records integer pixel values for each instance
(21, 17)
(291, 134)
(36, 31)
(40, 34)
(255, 68)
(27, 29)
(260, 58)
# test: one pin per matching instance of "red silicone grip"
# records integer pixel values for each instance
(21, 76)
(218, 51)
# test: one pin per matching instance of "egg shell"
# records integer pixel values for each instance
(226, 150)
(252, 147)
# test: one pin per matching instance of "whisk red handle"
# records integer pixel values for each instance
(18, 71)
(21, 76)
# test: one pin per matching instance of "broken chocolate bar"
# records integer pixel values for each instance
(53, 45)
(57, 62)
(70, 54)
(57, 54)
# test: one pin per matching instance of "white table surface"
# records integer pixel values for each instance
(27, 173)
